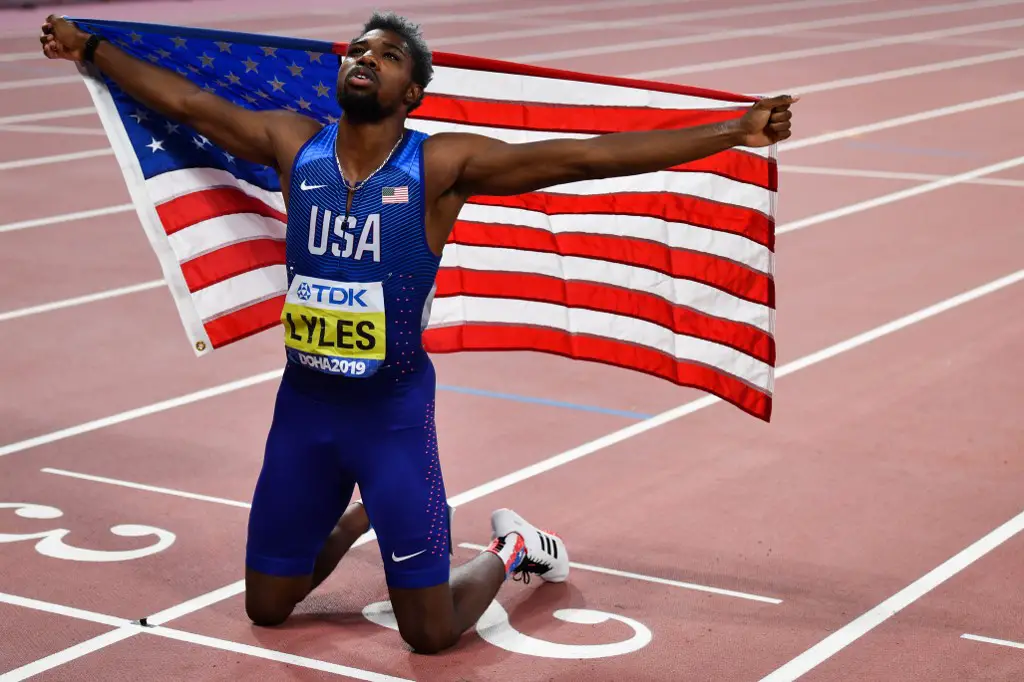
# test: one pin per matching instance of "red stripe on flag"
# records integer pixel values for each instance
(566, 118)
(231, 261)
(736, 165)
(664, 205)
(244, 322)
(195, 207)
(608, 299)
(483, 337)
(693, 265)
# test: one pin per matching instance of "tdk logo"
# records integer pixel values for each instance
(349, 296)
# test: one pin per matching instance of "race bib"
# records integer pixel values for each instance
(335, 327)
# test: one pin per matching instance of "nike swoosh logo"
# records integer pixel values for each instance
(308, 187)
(400, 559)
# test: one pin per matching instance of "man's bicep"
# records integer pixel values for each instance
(497, 168)
(251, 135)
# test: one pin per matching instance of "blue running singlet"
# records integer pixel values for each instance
(360, 281)
(356, 402)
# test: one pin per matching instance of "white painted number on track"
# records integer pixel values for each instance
(494, 628)
(51, 542)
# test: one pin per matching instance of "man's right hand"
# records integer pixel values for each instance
(62, 40)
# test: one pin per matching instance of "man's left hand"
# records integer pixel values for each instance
(768, 121)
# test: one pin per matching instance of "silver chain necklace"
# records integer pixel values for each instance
(359, 184)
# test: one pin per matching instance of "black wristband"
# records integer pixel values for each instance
(90, 47)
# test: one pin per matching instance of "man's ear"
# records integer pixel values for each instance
(413, 95)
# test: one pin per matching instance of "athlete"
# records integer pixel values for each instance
(370, 205)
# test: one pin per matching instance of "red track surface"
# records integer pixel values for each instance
(884, 459)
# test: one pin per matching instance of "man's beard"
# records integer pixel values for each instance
(358, 107)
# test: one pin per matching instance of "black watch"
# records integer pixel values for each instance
(90, 47)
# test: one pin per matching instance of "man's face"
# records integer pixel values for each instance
(375, 76)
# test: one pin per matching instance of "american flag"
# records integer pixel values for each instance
(667, 273)
(395, 195)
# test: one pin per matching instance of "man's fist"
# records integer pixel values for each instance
(767, 121)
(62, 40)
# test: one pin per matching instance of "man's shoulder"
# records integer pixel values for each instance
(291, 122)
(453, 149)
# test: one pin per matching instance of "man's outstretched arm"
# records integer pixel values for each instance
(492, 167)
(247, 134)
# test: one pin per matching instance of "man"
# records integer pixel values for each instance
(356, 402)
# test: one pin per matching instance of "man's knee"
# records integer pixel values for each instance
(269, 600)
(267, 612)
(427, 639)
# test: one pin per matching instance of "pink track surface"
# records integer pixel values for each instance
(885, 459)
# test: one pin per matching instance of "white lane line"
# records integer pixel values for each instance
(900, 195)
(891, 175)
(272, 655)
(146, 410)
(854, 46)
(80, 300)
(37, 82)
(21, 56)
(46, 115)
(66, 217)
(561, 459)
(887, 124)
(126, 629)
(61, 610)
(63, 656)
(146, 487)
(658, 581)
(56, 158)
(989, 640)
(934, 67)
(860, 626)
(52, 130)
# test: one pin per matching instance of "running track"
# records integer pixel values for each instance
(870, 532)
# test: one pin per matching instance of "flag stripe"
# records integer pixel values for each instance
(665, 205)
(207, 236)
(245, 322)
(489, 79)
(566, 118)
(194, 207)
(469, 309)
(245, 289)
(231, 261)
(485, 337)
(696, 295)
(699, 267)
(177, 183)
(606, 298)
(681, 236)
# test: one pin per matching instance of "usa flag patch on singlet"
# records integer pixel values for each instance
(395, 195)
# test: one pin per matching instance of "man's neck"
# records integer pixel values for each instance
(363, 147)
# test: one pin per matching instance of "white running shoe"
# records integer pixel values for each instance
(545, 552)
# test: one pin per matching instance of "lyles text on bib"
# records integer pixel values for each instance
(335, 327)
